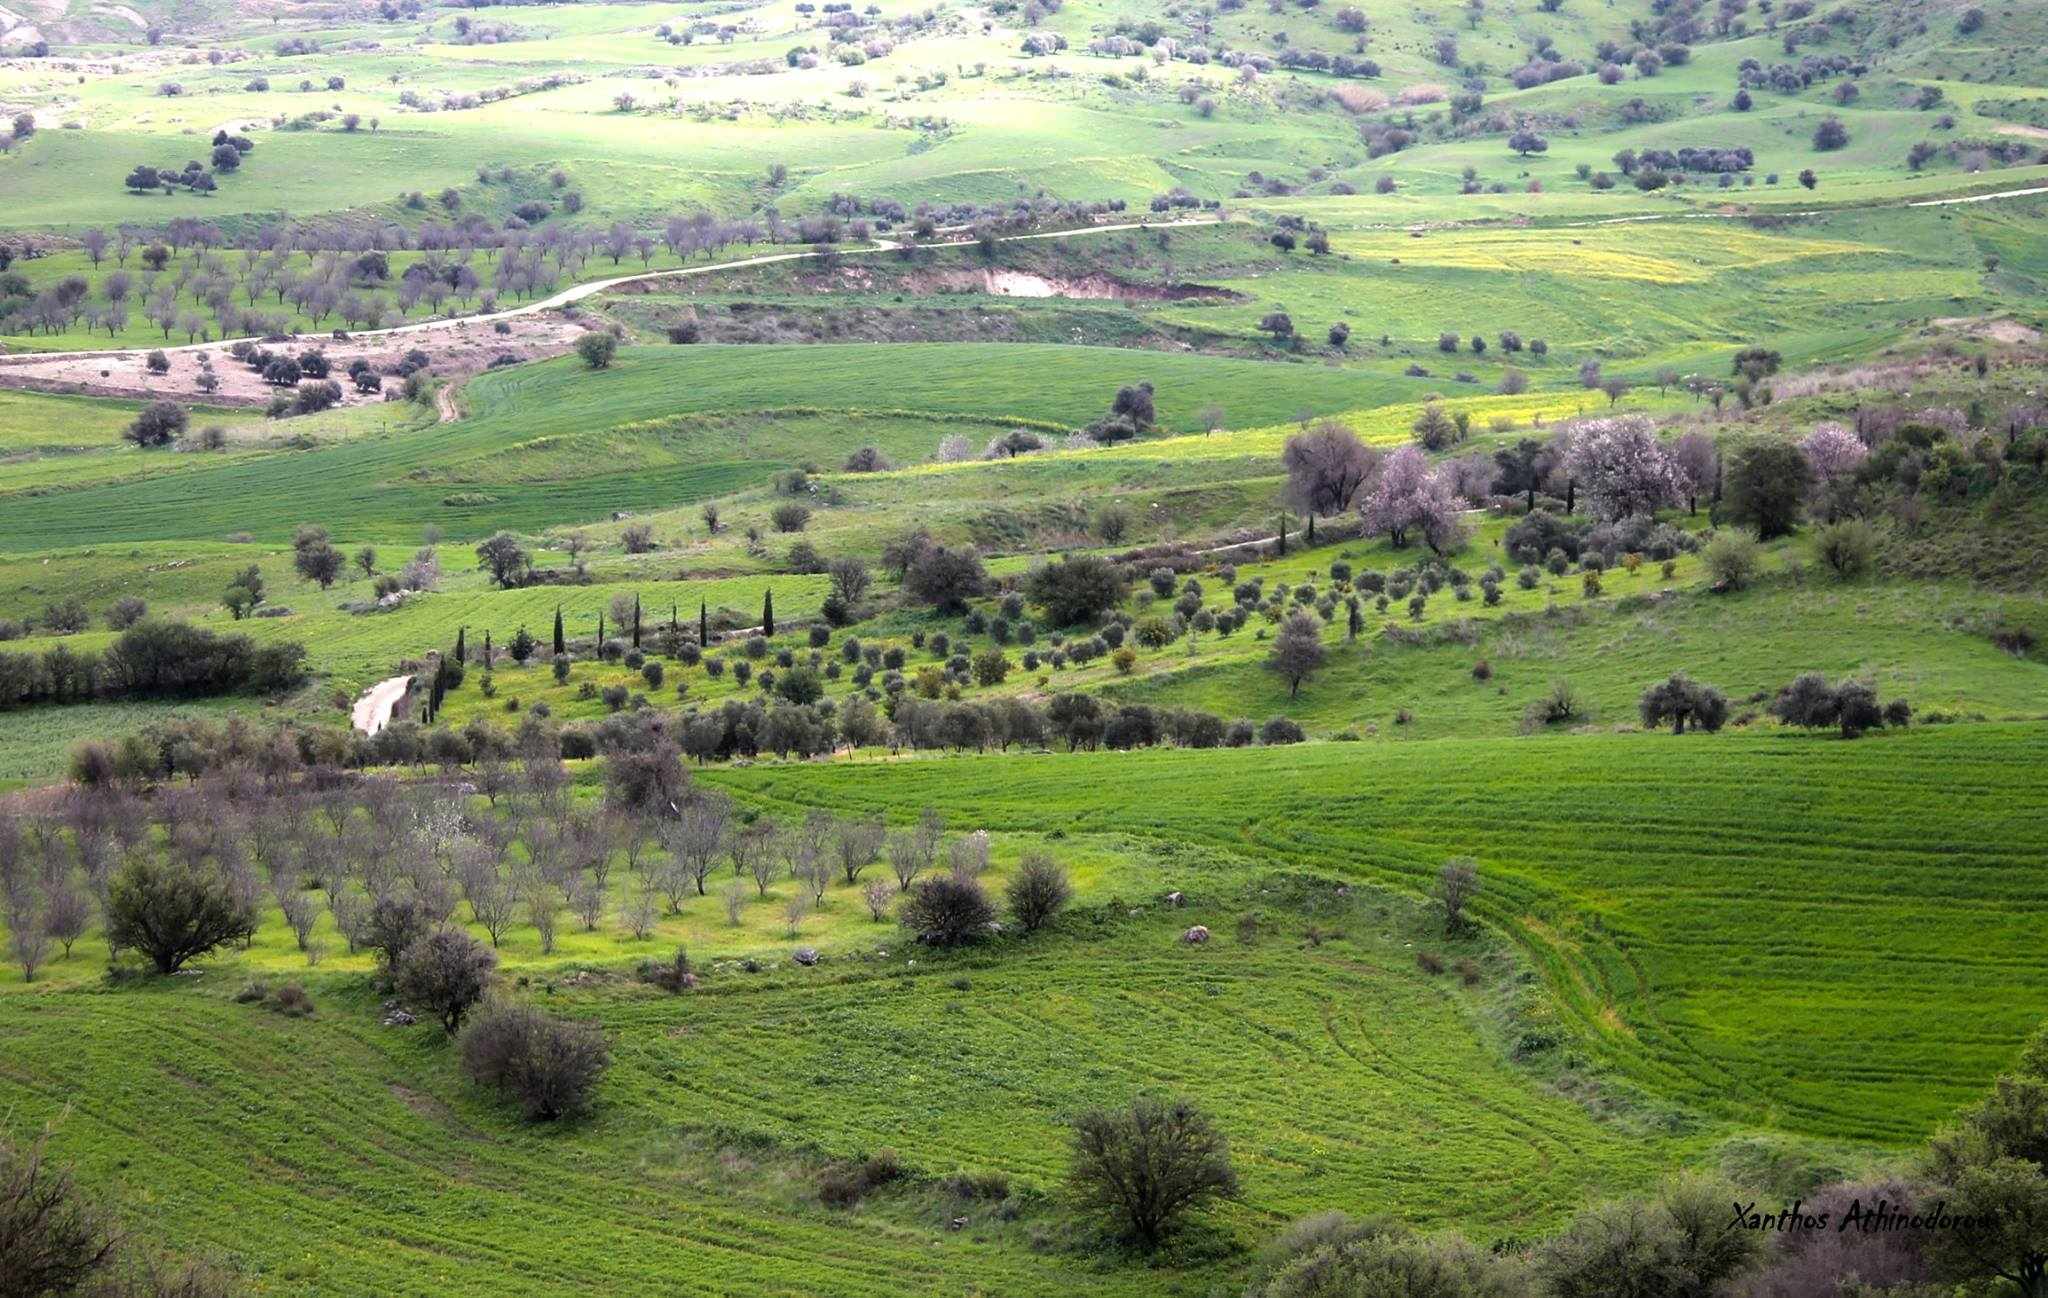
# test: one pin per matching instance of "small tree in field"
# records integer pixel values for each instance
(319, 562)
(597, 350)
(950, 910)
(174, 913)
(447, 973)
(1038, 892)
(159, 424)
(1145, 1166)
(1435, 430)
(395, 922)
(1733, 558)
(549, 1067)
(1682, 700)
(1077, 589)
(1456, 884)
(1297, 651)
(28, 941)
(1409, 498)
(504, 558)
(946, 578)
(1327, 467)
(1624, 469)
(1767, 486)
(1847, 547)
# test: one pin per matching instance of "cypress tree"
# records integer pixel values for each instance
(598, 648)
(561, 646)
(703, 627)
(672, 624)
(1282, 546)
(461, 643)
(636, 621)
(768, 612)
(1311, 529)
(487, 651)
(1357, 617)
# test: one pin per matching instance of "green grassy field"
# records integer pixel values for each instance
(1728, 919)
(1766, 953)
(1694, 955)
(698, 1175)
(393, 485)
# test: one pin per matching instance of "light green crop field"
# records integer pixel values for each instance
(1633, 905)
(1767, 953)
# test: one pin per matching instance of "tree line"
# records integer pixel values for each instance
(153, 659)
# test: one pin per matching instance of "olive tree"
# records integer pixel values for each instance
(173, 913)
(1145, 1165)
(1297, 650)
(1682, 701)
(1077, 589)
(447, 973)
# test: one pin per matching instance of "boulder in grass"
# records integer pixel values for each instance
(1196, 935)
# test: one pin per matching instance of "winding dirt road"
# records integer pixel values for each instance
(577, 292)
(372, 711)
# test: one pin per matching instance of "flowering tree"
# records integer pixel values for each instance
(1622, 466)
(1411, 497)
(1833, 451)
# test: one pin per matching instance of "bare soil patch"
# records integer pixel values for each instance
(2004, 331)
(1003, 282)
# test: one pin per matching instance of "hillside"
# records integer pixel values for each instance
(748, 648)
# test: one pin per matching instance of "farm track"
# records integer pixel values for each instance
(372, 712)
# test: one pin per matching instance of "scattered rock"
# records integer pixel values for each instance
(1176, 899)
(806, 956)
(397, 1016)
(1196, 935)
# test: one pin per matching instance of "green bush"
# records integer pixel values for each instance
(1733, 559)
(1847, 547)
